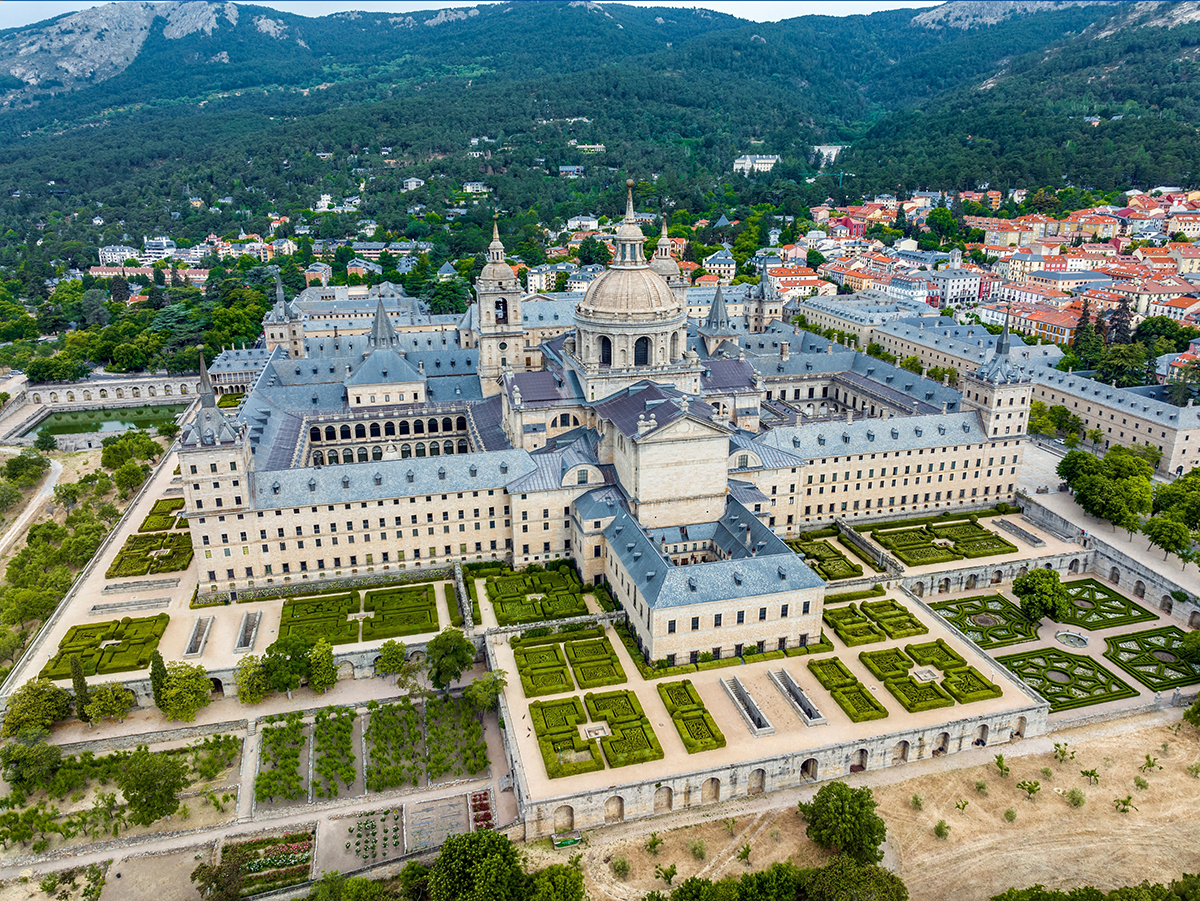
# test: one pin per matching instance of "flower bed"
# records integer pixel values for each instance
(333, 741)
(275, 862)
(394, 736)
(531, 597)
(1067, 681)
(851, 626)
(693, 722)
(138, 638)
(481, 810)
(409, 610)
(322, 616)
(564, 751)
(1157, 658)
(139, 555)
(279, 759)
(991, 621)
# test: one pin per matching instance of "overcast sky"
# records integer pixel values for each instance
(14, 13)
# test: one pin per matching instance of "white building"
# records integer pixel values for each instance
(752, 163)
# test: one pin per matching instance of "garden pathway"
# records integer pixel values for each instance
(21, 523)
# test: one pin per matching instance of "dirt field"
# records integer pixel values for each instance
(154, 878)
(1050, 842)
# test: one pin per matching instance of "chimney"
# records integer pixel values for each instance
(829, 350)
(943, 408)
(785, 350)
(849, 415)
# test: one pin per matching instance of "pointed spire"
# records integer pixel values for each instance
(629, 200)
(496, 248)
(718, 315)
(279, 299)
(382, 334)
(662, 250)
(207, 396)
(1003, 344)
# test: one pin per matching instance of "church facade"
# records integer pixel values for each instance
(668, 457)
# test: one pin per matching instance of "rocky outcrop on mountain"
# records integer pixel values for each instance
(971, 13)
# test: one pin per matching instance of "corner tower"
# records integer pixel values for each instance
(1000, 392)
(501, 334)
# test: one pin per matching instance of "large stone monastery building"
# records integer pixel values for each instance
(667, 456)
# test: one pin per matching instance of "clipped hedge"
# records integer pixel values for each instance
(967, 684)
(545, 635)
(613, 707)
(561, 596)
(595, 663)
(890, 663)
(652, 671)
(408, 610)
(821, 647)
(917, 696)
(858, 703)
(831, 673)
(321, 616)
(564, 751)
(693, 722)
(921, 521)
(138, 639)
(765, 655)
(632, 739)
(721, 664)
(859, 553)
(851, 626)
(894, 618)
(830, 563)
(543, 670)
(142, 555)
(875, 591)
(937, 654)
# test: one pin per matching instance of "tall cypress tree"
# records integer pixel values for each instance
(79, 683)
(1120, 322)
(158, 678)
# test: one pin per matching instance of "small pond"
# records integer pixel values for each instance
(108, 420)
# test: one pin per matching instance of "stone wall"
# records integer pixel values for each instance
(982, 576)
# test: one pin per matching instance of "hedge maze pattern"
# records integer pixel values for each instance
(535, 597)
(397, 611)
(1093, 606)
(855, 626)
(960, 683)
(407, 610)
(162, 516)
(157, 552)
(693, 722)
(1156, 658)
(564, 751)
(136, 641)
(919, 547)
(632, 739)
(1067, 680)
(324, 616)
(843, 686)
(829, 562)
(991, 621)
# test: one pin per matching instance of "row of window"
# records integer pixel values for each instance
(738, 650)
(363, 455)
(388, 429)
(916, 499)
(368, 560)
(718, 618)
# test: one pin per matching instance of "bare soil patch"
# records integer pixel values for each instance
(154, 878)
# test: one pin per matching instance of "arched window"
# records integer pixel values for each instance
(374, 430)
(433, 427)
(435, 449)
(377, 453)
(675, 345)
(360, 431)
(389, 429)
(641, 352)
(463, 447)
(448, 447)
(420, 448)
(405, 451)
(333, 458)
(461, 424)
(502, 310)
(330, 433)
(167, 390)
(314, 434)
(347, 456)
(418, 427)
(404, 427)
(447, 424)
(103, 393)
(605, 350)
(318, 459)
(345, 433)
(362, 455)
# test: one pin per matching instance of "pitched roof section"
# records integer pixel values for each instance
(647, 401)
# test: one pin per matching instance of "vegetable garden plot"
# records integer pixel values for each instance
(991, 621)
(411, 746)
(396, 745)
(337, 734)
(282, 761)
(115, 646)
(275, 862)
(1156, 658)
(1095, 606)
(1067, 680)
(427, 824)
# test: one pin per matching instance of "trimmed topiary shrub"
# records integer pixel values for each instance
(693, 722)
(876, 591)
(917, 696)
(831, 673)
(968, 684)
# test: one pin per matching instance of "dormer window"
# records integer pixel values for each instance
(345, 482)
(411, 475)
(442, 473)
(312, 484)
(275, 488)
(378, 478)
(474, 471)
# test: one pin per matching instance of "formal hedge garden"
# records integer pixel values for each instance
(961, 682)
(1067, 681)
(532, 597)
(828, 562)
(918, 546)
(843, 686)
(564, 751)
(875, 591)
(936, 654)
(894, 618)
(916, 696)
(991, 621)
(632, 739)
(406, 610)
(890, 663)
(1095, 606)
(323, 616)
(152, 554)
(543, 670)
(406, 742)
(1002, 509)
(594, 663)
(693, 722)
(138, 639)
(162, 516)
(1157, 658)
(852, 626)
(967, 684)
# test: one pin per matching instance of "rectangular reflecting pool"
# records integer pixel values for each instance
(108, 420)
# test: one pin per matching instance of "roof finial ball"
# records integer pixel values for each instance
(629, 183)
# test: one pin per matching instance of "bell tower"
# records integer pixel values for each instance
(501, 333)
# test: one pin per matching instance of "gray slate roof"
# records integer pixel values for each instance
(818, 440)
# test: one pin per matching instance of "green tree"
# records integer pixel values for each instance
(109, 700)
(158, 678)
(222, 881)
(151, 784)
(187, 690)
(843, 819)
(1042, 594)
(448, 655)
(485, 691)
(557, 882)
(1120, 323)
(46, 440)
(322, 672)
(814, 260)
(168, 429)
(287, 661)
(28, 760)
(941, 222)
(37, 704)
(843, 878)
(1169, 534)
(80, 687)
(478, 866)
(251, 679)
(592, 251)
(128, 478)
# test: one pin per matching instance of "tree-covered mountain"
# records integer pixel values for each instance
(136, 108)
